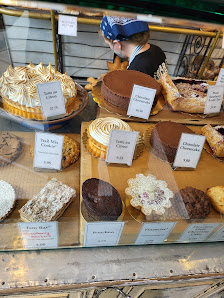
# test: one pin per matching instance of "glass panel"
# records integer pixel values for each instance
(76, 195)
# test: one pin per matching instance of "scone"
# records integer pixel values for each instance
(19, 93)
(101, 200)
(149, 195)
(215, 138)
(70, 152)
(10, 148)
(49, 204)
(99, 133)
(216, 196)
(7, 199)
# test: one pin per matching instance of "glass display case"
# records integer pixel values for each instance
(76, 167)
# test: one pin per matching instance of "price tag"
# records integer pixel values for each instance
(220, 80)
(48, 151)
(121, 146)
(103, 233)
(218, 236)
(39, 234)
(214, 99)
(149, 18)
(189, 150)
(197, 232)
(51, 99)
(67, 25)
(141, 102)
(152, 233)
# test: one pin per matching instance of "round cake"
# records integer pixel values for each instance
(117, 87)
(99, 134)
(10, 148)
(165, 138)
(195, 200)
(101, 200)
(19, 93)
(7, 199)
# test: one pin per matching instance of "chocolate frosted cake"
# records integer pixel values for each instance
(101, 201)
(117, 87)
(196, 202)
(165, 138)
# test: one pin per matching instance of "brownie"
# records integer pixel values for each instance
(101, 200)
(196, 202)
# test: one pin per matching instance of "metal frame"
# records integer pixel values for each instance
(50, 15)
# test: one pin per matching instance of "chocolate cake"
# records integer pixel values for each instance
(101, 200)
(196, 202)
(165, 138)
(117, 87)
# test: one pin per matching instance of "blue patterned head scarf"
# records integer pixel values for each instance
(117, 28)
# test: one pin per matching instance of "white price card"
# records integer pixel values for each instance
(67, 25)
(51, 99)
(214, 99)
(149, 18)
(152, 233)
(197, 232)
(48, 151)
(141, 102)
(220, 80)
(39, 234)
(121, 146)
(218, 236)
(103, 233)
(189, 150)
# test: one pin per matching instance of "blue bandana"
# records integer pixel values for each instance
(116, 28)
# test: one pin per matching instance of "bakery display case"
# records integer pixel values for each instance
(90, 160)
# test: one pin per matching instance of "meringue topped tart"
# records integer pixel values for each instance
(98, 134)
(19, 92)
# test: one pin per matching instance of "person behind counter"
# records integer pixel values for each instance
(128, 38)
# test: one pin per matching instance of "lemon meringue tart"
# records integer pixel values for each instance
(19, 93)
(98, 134)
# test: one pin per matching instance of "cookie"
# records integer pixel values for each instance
(70, 152)
(196, 202)
(10, 148)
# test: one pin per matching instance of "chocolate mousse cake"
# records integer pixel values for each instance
(117, 87)
(165, 138)
(196, 202)
(101, 201)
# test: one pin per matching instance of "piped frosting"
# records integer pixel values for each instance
(19, 83)
(100, 128)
